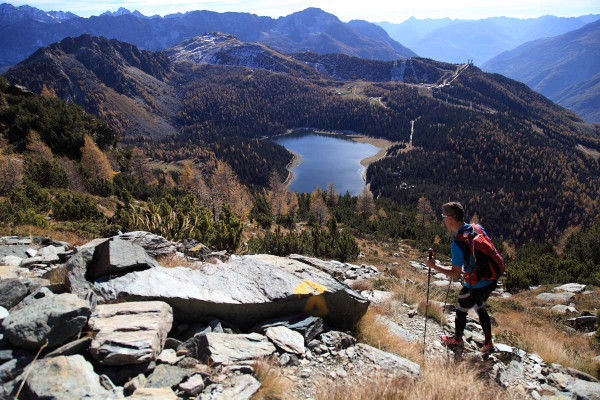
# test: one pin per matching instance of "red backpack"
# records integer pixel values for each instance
(489, 264)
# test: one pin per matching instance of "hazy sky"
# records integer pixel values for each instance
(370, 10)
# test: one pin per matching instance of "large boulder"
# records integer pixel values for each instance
(560, 298)
(224, 348)
(65, 378)
(12, 291)
(76, 269)
(43, 316)
(129, 333)
(243, 291)
(155, 245)
(118, 256)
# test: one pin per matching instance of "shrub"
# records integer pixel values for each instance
(75, 207)
(46, 174)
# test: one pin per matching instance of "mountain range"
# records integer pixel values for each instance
(565, 68)
(25, 29)
(220, 95)
(456, 40)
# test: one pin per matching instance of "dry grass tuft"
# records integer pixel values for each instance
(375, 333)
(434, 311)
(273, 385)
(76, 239)
(533, 334)
(173, 261)
(439, 380)
(406, 292)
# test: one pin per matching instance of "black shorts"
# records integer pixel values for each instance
(476, 297)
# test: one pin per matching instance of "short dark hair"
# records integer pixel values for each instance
(455, 210)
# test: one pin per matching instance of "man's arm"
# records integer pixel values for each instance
(453, 271)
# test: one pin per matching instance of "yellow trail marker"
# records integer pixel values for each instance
(315, 305)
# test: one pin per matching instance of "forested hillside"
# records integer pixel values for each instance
(524, 165)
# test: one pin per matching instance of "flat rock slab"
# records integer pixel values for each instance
(154, 394)
(243, 292)
(155, 245)
(309, 327)
(129, 333)
(65, 378)
(397, 330)
(242, 387)
(118, 256)
(166, 375)
(55, 318)
(562, 309)
(78, 346)
(224, 348)
(570, 287)
(389, 361)
(562, 297)
(286, 339)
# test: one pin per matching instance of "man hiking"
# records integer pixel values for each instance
(477, 260)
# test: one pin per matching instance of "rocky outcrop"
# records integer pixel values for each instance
(243, 292)
(561, 297)
(118, 256)
(42, 317)
(129, 333)
(154, 245)
(221, 348)
(65, 378)
(339, 270)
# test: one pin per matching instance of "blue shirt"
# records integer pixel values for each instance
(458, 258)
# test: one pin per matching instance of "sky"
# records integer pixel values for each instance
(370, 10)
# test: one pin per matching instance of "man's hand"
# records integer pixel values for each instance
(431, 263)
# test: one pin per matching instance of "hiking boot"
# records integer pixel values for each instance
(451, 341)
(488, 348)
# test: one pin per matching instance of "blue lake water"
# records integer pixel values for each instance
(327, 158)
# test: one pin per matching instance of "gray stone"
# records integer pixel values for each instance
(584, 389)
(309, 327)
(397, 330)
(562, 298)
(129, 333)
(118, 256)
(31, 252)
(163, 393)
(12, 363)
(75, 347)
(215, 326)
(76, 270)
(337, 340)
(444, 284)
(3, 313)
(135, 383)
(55, 318)
(512, 374)
(11, 261)
(286, 339)
(194, 385)
(561, 309)
(14, 250)
(171, 343)
(581, 375)
(243, 292)
(570, 287)
(377, 297)
(165, 375)
(242, 387)
(12, 291)
(169, 356)
(66, 378)
(221, 348)
(389, 361)
(583, 322)
(154, 245)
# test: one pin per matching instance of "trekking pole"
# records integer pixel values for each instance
(427, 302)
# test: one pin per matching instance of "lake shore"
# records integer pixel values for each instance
(296, 160)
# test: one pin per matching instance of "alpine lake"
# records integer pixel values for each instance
(326, 158)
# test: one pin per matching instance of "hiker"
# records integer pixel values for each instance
(480, 281)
